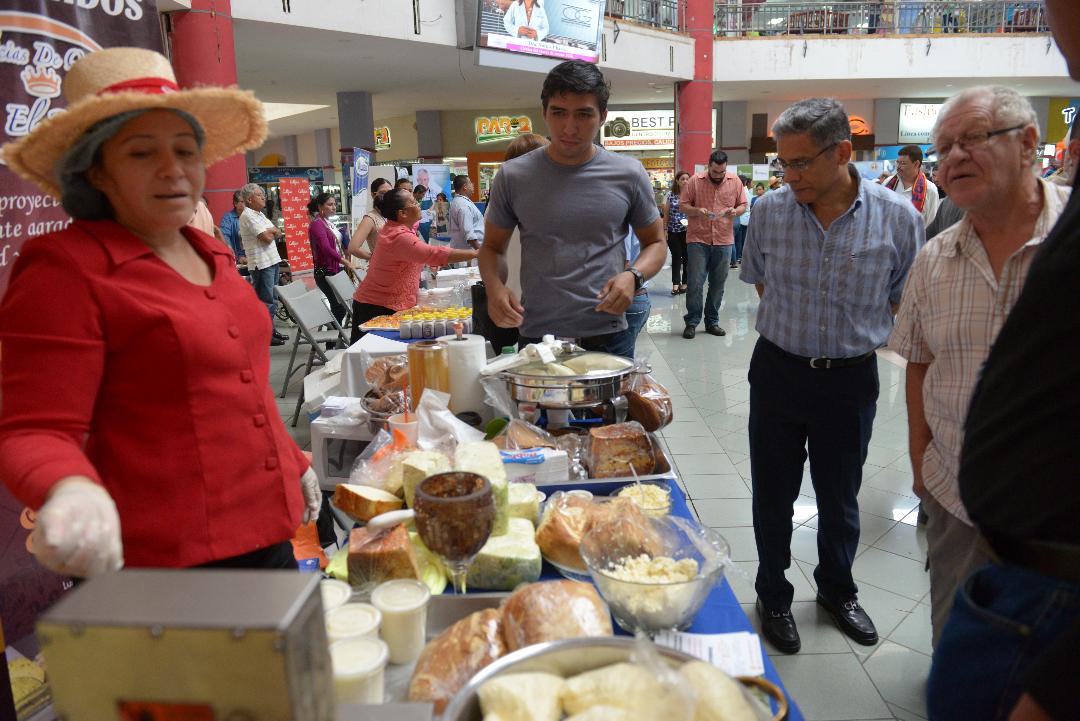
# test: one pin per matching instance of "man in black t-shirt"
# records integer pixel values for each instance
(1012, 643)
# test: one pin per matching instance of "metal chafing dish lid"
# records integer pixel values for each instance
(580, 365)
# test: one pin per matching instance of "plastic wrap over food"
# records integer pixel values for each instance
(521, 435)
(646, 687)
(648, 402)
(382, 555)
(385, 374)
(552, 611)
(453, 657)
(379, 465)
(621, 450)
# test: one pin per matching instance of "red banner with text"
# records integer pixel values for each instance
(295, 196)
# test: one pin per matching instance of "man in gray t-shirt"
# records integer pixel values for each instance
(572, 201)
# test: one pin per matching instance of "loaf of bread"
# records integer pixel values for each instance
(383, 555)
(565, 520)
(568, 517)
(364, 502)
(455, 655)
(649, 403)
(387, 374)
(615, 448)
(552, 611)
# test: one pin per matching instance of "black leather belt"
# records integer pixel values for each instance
(820, 363)
(1058, 560)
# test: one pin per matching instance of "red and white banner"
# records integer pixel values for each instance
(295, 196)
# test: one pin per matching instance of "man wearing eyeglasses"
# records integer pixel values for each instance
(960, 290)
(1011, 640)
(829, 254)
(911, 182)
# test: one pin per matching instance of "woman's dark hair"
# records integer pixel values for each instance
(675, 180)
(578, 78)
(441, 196)
(402, 181)
(318, 201)
(524, 143)
(419, 190)
(393, 202)
(378, 183)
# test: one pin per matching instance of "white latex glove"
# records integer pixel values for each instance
(309, 483)
(78, 530)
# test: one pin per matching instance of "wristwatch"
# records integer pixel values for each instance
(639, 278)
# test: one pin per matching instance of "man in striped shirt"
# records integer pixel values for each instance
(829, 254)
(962, 286)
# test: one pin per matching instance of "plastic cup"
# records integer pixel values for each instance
(403, 604)
(359, 670)
(411, 429)
(335, 593)
(353, 620)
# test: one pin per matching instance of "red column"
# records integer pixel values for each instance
(203, 54)
(694, 97)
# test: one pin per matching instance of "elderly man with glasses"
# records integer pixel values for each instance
(961, 288)
(829, 254)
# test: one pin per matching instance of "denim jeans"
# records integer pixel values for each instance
(1003, 619)
(264, 280)
(706, 262)
(740, 238)
(624, 342)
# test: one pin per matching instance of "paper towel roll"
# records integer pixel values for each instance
(467, 357)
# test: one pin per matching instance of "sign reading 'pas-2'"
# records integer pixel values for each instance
(500, 127)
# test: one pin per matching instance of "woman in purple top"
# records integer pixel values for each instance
(325, 242)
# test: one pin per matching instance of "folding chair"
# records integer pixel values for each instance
(310, 313)
(291, 290)
(343, 288)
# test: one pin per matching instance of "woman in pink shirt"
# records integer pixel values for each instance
(393, 276)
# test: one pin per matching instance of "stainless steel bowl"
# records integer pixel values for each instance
(562, 658)
(577, 391)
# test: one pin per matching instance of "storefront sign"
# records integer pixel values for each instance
(273, 174)
(641, 130)
(917, 121)
(859, 126)
(563, 29)
(500, 127)
(295, 196)
(1063, 112)
(382, 138)
(658, 163)
(358, 183)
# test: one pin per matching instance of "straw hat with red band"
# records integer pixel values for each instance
(119, 80)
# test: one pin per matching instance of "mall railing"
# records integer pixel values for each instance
(883, 17)
(658, 13)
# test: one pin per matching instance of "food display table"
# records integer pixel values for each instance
(721, 612)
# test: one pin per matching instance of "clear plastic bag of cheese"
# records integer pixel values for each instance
(646, 687)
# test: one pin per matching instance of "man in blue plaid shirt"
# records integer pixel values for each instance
(828, 253)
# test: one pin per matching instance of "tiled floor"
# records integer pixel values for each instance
(832, 678)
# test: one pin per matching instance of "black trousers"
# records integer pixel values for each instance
(336, 308)
(362, 313)
(830, 413)
(278, 556)
(677, 243)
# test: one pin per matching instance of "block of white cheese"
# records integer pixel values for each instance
(418, 465)
(524, 502)
(483, 457)
(507, 561)
(522, 697)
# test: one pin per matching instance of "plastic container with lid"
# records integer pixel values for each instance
(335, 593)
(359, 670)
(353, 620)
(403, 604)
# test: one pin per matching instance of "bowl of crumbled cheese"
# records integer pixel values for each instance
(652, 497)
(654, 573)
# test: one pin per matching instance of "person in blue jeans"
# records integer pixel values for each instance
(625, 342)
(740, 225)
(712, 202)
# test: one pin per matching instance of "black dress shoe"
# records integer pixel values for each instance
(274, 340)
(715, 330)
(280, 336)
(851, 619)
(779, 629)
(689, 332)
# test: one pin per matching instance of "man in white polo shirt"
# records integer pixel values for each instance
(258, 234)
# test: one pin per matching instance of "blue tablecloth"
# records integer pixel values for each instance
(721, 612)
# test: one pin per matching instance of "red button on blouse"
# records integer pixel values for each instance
(113, 368)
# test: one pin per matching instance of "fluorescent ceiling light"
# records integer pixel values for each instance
(277, 111)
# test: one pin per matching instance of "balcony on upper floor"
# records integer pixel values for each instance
(750, 18)
(664, 14)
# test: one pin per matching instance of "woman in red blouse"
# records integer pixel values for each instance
(393, 277)
(137, 412)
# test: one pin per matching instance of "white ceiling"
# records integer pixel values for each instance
(287, 64)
